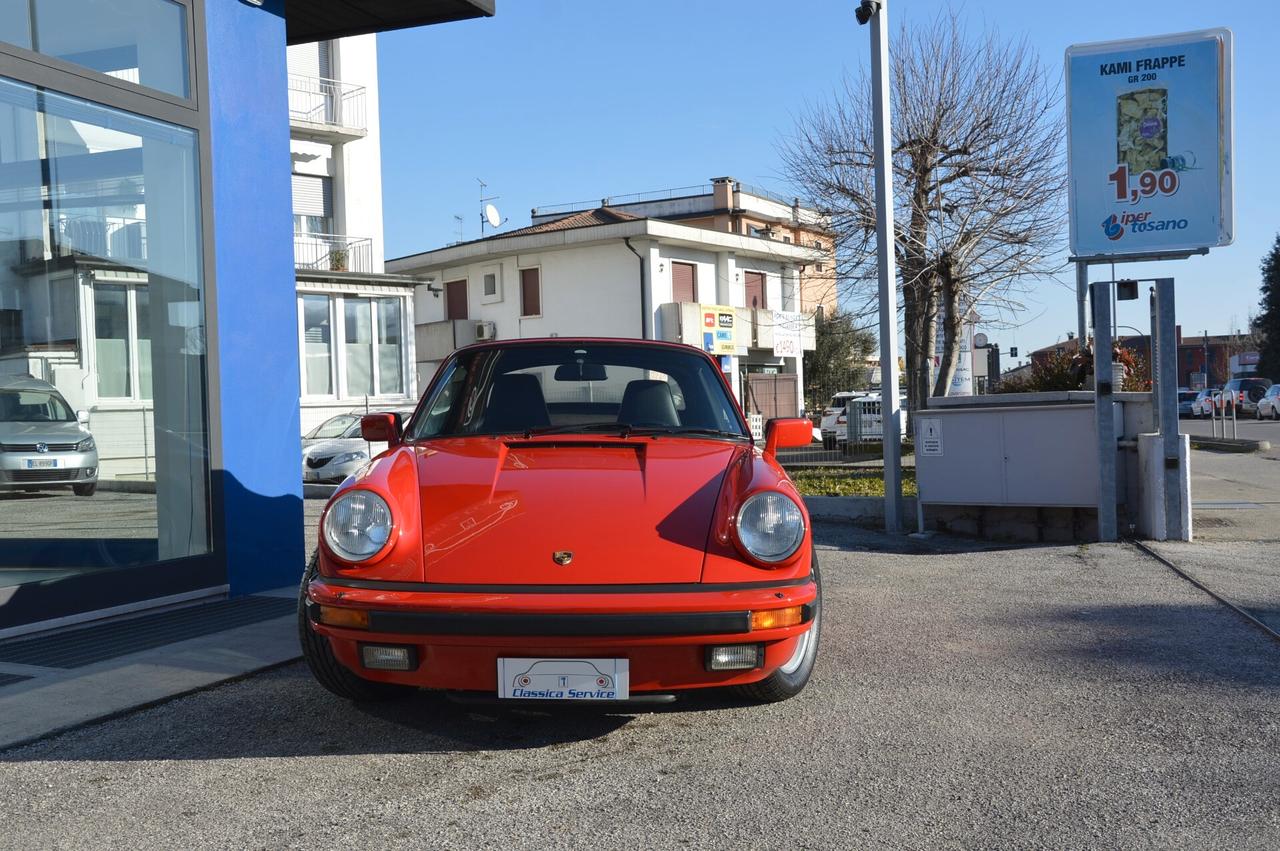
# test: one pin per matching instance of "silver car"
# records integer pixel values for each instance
(43, 443)
(335, 449)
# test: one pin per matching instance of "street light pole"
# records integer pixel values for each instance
(890, 399)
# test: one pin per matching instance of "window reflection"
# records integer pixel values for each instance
(101, 310)
(138, 41)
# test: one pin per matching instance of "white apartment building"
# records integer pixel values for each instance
(355, 323)
(607, 272)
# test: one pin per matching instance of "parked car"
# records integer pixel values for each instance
(831, 429)
(1186, 398)
(1243, 394)
(567, 519)
(1269, 404)
(1202, 404)
(336, 449)
(43, 443)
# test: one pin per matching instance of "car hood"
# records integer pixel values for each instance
(500, 511)
(334, 446)
(18, 432)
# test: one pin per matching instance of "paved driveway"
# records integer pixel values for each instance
(1052, 697)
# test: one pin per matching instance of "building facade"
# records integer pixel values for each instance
(146, 266)
(355, 323)
(606, 272)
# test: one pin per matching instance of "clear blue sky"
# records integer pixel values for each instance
(564, 100)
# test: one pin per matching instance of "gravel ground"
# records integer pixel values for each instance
(1050, 697)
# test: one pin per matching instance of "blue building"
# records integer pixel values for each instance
(147, 263)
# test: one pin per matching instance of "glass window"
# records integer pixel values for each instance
(317, 341)
(359, 349)
(139, 41)
(102, 301)
(111, 341)
(390, 347)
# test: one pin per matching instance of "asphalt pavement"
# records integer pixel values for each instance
(1073, 696)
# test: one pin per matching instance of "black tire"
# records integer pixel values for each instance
(781, 685)
(326, 668)
(85, 490)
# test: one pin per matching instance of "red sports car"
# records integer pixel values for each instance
(567, 520)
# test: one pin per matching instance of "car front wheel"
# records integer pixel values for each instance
(790, 679)
(85, 490)
(326, 668)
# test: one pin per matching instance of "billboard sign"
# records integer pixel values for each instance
(1149, 144)
(719, 329)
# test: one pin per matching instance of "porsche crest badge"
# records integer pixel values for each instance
(562, 556)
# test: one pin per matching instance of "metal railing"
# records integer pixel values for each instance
(331, 252)
(634, 198)
(107, 237)
(1218, 403)
(329, 103)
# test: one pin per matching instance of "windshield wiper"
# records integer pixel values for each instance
(623, 428)
(690, 430)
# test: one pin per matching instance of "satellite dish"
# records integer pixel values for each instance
(979, 340)
(491, 216)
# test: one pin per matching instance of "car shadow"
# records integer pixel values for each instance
(285, 713)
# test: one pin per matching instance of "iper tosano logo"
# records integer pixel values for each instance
(1115, 225)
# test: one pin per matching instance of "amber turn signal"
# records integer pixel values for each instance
(775, 618)
(353, 618)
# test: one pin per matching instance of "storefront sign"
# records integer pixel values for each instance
(719, 329)
(786, 334)
(1149, 144)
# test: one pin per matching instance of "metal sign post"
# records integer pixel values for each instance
(1164, 376)
(1104, 410)
(890, 399)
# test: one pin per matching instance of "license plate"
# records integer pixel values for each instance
(41, 463)
(564, 679)
(309, 476)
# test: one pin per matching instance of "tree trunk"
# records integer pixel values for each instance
(953, 325)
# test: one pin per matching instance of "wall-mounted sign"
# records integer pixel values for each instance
(1149, 144)
(787, 327)
(719, 329)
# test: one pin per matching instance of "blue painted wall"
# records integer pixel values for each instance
(256, 368)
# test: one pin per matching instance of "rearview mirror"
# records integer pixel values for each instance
(579, 371)
(380, 428)
(82, 417)
(782, 433)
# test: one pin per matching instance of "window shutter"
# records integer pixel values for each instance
(684, 282)
(530, 294)
(312, 196)
(753, 282)
(311, 60)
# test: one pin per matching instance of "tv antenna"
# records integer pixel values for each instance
(488, 213)
(458, 220)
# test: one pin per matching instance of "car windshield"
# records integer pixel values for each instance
(838, 402)
(33, 406)
(579, 387)
(334, 427)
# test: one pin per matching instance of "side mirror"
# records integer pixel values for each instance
(82, 417)
(380, 428)
(783, 433)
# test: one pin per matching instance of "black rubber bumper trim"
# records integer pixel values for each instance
(476, 623)
(473, 588)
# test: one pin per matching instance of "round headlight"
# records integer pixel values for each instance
(770, 526)
(357, 525)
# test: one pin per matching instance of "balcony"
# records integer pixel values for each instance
(754, 328)
(331, 252)
(326, 110)
(435, 341)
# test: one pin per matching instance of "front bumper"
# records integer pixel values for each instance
(31, 469)
(332, 473)
(459, 634)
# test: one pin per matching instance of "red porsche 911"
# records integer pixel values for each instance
(567, 520)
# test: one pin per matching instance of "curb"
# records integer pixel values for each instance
(1229, 444)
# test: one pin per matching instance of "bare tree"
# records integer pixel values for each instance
(979, 183)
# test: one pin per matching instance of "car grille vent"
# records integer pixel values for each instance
(78, 647)
(316, 463)
(36, 476)
(31, 447)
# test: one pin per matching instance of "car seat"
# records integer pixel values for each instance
(647, 402)
(516, 403)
